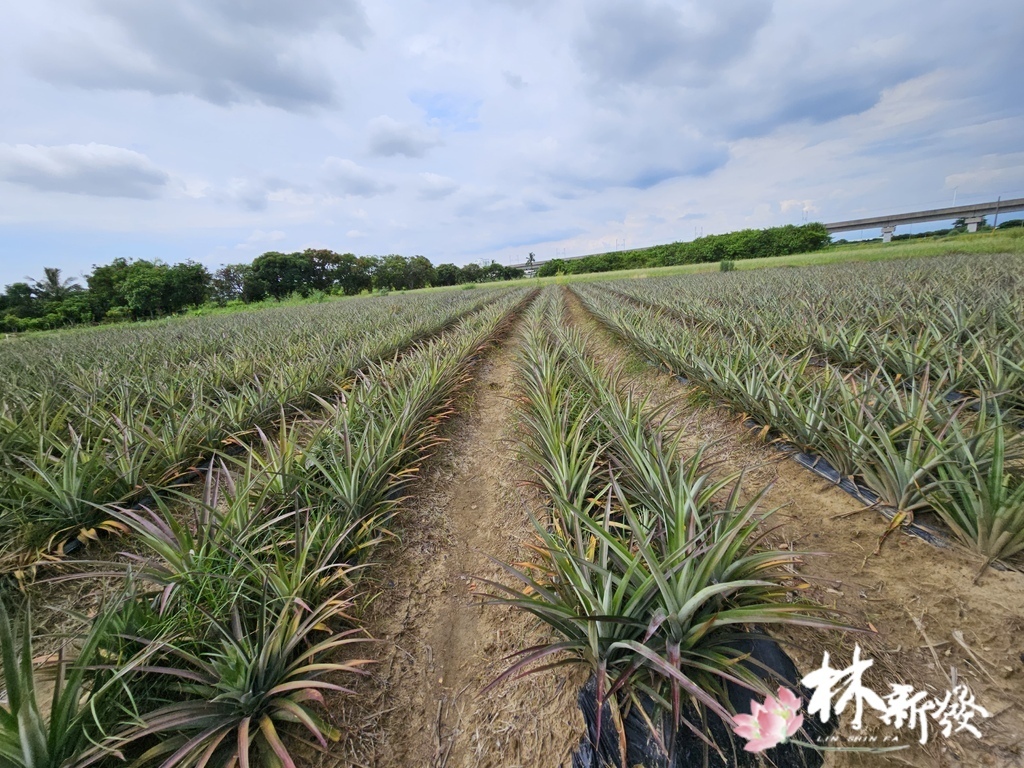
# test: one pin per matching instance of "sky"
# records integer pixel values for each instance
(216, 130)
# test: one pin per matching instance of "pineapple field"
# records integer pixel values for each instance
(583, 524)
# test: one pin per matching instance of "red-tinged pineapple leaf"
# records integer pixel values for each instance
(296, 685)
(537, 655)
(299, 715)
(243, 742)
(307, 695)
(217, 732)
(204, 758)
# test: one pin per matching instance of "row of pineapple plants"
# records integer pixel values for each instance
(956, 319)
(93, 417)
(917, 442)
(236, 612)
(649, 570)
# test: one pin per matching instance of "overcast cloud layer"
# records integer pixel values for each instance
(218, 129)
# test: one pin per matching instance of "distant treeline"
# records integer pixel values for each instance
(137, 289)
(745, 244)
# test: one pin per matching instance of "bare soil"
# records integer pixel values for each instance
(440, 647)
(932, 624)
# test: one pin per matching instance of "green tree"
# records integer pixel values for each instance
(391, 272)
(19, 300)
(549, 268)
(145, 288)
(472, 273)
(187, 285)
(105, 285)
(419, 272)
(52, 287)
(511, 273)
(75, 309)
(447, 274)
(338, 272)
(363, 274)
(283, 274)
(491, 271)
(324, 266)
(253, 289)
(228, 281)
(350, 277)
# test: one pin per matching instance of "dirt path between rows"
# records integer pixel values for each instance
(439, 646)
(934, 625)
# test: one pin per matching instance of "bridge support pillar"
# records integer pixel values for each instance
(887, 231)
(973, 222)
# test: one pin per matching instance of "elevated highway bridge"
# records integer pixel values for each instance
(972, 215)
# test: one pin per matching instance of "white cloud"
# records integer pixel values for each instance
(259, 239)
(803, 206)
(650, 41)
(259, 236)
(514, 80)
(221, 51)
(485, 129)
(989, 172)
(351, 180)
(252, 194)
(434, 186)
(388, 137)
(82, 169)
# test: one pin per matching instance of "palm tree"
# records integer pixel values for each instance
(51, 287)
